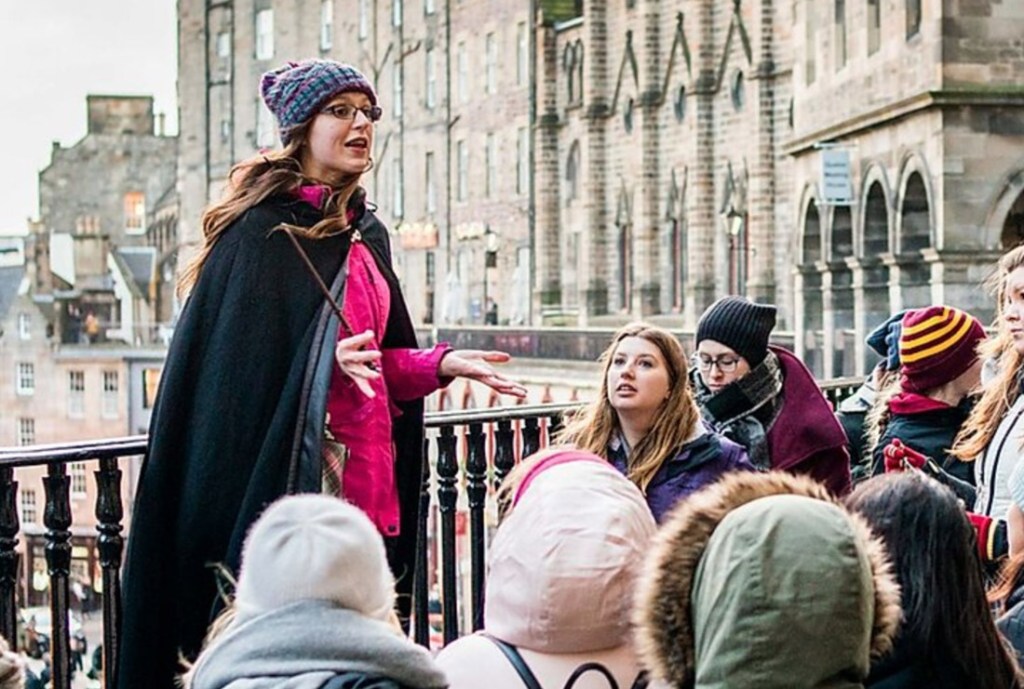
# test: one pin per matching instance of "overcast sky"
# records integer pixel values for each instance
(54, 53)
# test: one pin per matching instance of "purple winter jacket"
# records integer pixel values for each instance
(699, 463)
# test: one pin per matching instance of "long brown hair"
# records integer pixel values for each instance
(594, 426)
(998, 394)
(252, 181)
(1011, 578)
(877, 418)
(946, 619)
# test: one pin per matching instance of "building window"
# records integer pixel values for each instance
(110, 389)
(135, 212)
(76, 394)
(463, 69)
(76, 471)
(225, 130)
(572, 64)
(736, 90)
(398, 200)
(224, 44)
(431, 189)
(491, 63)
(874, 26)
(810, 46)
(396, 96)
(462, 160)
(522, 53)
(29, 513)
(491, 165)
(150, 386)
(265, 132)
(265, 34)
(913, 18)
(396, 13)
(431, 73)
(522, 160)
(24, 326)
(25, 379)
(572, 173)
(429, 7)
(840, 34)
(326, 24)
(26, 432)
(364, 19)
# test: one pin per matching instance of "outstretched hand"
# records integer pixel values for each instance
(358, 363)
(475, 364)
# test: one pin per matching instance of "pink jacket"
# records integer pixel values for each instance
(559, 588)
(361, 423)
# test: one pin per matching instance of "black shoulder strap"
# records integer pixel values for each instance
(588, 667)
(531, 681)
(521, 668)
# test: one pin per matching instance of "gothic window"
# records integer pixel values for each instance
(736, 90)
(572, 65)
(679, 104)
(572, 173)
(915, 228)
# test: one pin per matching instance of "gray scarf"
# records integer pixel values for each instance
(744, 410)
(303, 645)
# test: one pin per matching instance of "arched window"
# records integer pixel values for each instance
(813, 307)
(572, 173)
(915, 227)
(876, 223)
(843, 361)
(1013, 226)
(877, 306)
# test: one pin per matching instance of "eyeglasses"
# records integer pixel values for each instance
(725, 364)
(344, 111)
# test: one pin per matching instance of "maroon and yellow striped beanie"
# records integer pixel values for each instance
(937, 344)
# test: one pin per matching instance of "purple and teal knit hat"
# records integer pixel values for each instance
(295, 92)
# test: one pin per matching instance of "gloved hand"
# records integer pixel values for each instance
(993, 543)
(899, 457)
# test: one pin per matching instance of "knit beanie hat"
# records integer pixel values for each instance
(740, 325)
(295, 92)
(885, 340)
(937, 344)
(315, 547)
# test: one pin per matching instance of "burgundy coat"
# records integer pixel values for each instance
(805, 437)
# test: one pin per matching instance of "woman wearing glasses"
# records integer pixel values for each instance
(294, 368)
(763, 397)
(646, 422)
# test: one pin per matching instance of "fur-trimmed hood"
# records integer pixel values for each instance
(764, 580)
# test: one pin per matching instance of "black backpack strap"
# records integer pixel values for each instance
(590, 667)
(520, 666)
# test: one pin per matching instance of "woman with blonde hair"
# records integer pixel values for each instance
(993, 435)
(645, 420)
(294, 368)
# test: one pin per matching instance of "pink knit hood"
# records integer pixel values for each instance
(563, 563)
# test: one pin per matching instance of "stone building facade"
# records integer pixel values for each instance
(590, 162)
(105, 250)
(925, 99)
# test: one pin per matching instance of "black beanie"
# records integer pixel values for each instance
(739, 324)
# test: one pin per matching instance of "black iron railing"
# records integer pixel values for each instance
(468, 453)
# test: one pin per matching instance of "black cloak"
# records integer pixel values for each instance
(238, 422)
